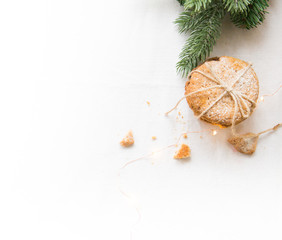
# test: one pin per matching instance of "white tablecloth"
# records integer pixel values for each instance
(75, 77)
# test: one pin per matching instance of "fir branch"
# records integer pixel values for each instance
(187, 21)
(235, 6)
(203, 19)
(181, 2)
(254, 16)
(205, 29)
(196, 5)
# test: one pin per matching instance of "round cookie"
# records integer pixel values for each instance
(227, 70)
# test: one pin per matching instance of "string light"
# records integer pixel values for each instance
(214, 132)
(269, 95)
(133, 201)
(261, 99)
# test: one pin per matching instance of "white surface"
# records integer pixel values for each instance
(75, 77)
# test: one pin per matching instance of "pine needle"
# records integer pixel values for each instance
(205, 27)
(181, 2)
(235, 6)
(196, 5)
(202, 18)
(187, 21)
(253, 17)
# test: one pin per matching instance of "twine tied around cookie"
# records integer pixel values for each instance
(240, 99)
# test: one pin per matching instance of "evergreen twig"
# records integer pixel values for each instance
(235, 6)
(253, 17)
(181, 2)
(202, 18)
(205, 30)
(187, 21)
(196, 5)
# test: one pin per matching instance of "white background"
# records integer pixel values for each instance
(75, 77)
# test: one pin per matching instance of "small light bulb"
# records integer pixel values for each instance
(214, 132)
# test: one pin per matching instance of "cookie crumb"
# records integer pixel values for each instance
(245, 143)
(148, 103)
(185, 135)
(128, 140)
(183, 152)
(154, 137)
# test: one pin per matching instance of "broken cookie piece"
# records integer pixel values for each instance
(128, 140)
(245, 143)
(183, 152)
